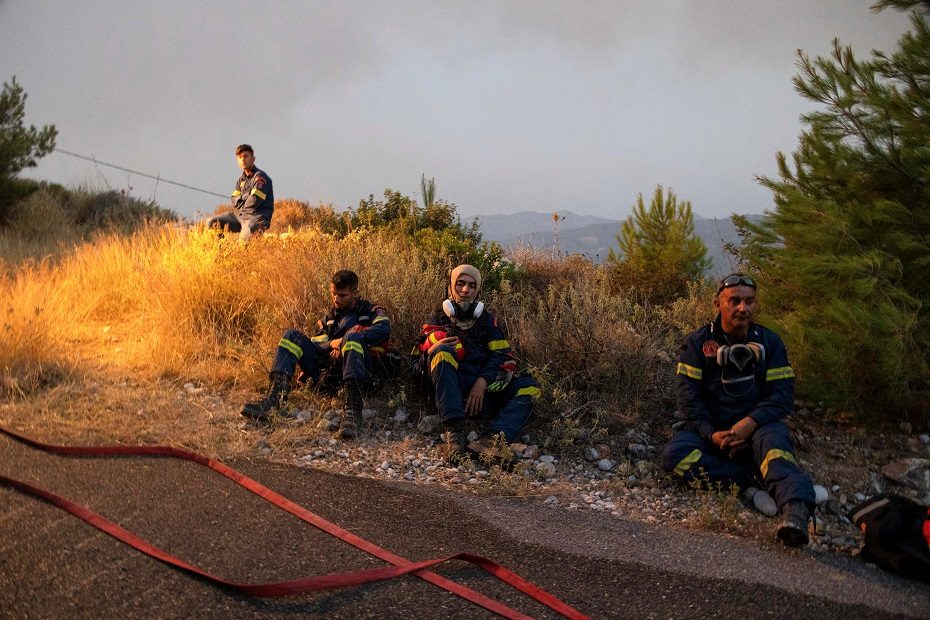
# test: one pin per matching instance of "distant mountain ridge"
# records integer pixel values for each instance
(595, 236)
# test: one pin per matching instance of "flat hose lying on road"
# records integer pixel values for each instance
(401, 566)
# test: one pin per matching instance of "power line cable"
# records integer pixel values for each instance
(160, 179)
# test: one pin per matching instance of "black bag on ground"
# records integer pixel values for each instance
(895, 534)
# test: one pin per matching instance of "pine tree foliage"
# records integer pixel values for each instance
(659, 251)
(844, 258)
(20, 147)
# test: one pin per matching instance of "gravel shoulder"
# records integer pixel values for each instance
(53, 565)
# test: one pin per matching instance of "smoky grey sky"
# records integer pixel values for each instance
(511, 106)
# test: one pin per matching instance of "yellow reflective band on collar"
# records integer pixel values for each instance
(293, 348)
(320, 339)
(236, 193)
(782, 372)
(771, 455)
(497, 345)
(689, 371)
(443, 356)
(531, 391)
(258, 193)
(351, 345)
(380, 319)
(685, 464)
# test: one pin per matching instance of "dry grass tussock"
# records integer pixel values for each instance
(198, 306)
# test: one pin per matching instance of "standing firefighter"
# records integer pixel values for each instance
(736, 386)
(471, 369)
(353, 335)
(252, 199)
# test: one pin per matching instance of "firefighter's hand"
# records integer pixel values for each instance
(475, 400)
(336, 348)
(722, 439)
(449, 340)
(743, 430)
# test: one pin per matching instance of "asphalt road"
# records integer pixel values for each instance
(55, 566)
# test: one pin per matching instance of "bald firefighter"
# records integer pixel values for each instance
(736, 387)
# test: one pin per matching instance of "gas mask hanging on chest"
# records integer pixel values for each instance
(738, 366)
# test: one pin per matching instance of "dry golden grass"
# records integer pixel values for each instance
(169, 305)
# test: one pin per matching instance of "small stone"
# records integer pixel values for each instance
(385, 465)
(428, 424)
(820, 494)
(910, 472)
(835, 488)
(591, 454)
(331, 414)
(189, 386)
(637, 451)
(531, 452)
(547, 458)
(401, 416)
(368, 414)
(764, 503)
(409, 475)
(305, 415)
(545, 469)
(471, 436)
(859, 497)
(551, 500)
(924, 438)
(518, 448)
(605, 464)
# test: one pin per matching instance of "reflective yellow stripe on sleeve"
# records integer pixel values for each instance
(443, 356)
(351, 345)
(258, 193)
(235, 193)
(782, 372)
(292, 347)
(685, 464)
(531, 391)
(689, 371)
(320, 339)
(771, 455)
(497, 345)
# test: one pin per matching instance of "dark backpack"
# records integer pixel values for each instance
(895, 534)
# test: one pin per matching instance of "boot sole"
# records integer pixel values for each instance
(793, 536)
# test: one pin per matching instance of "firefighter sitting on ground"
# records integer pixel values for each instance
(350, 341)
(735, 387)
(471, 369)
(252, 199)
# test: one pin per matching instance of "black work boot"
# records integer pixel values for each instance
(793, 527)
(352, 414)
(454, 438)
(277, 396)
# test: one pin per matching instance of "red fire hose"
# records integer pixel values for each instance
(400, 566)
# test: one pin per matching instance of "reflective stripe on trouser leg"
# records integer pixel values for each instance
(444, 373)
(774, 454)
(354, 358)
(295, 349)
(517, 407)
(694, 458)
(685, 464)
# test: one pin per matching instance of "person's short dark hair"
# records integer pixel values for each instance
(736, 279)
(345, 279)
(244, 148)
